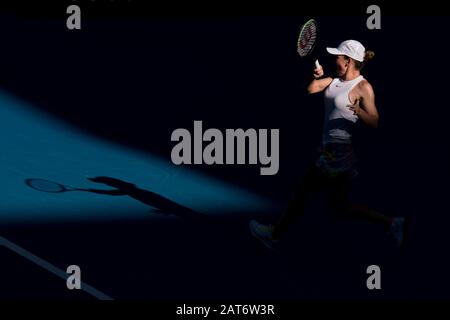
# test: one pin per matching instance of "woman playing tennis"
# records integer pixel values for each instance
(348, 98)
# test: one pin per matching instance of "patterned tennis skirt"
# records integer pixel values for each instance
(337, 158)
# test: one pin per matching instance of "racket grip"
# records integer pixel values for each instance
(317, 64)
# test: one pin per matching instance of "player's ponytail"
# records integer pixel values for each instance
(368, 55)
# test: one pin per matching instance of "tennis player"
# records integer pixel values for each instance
(348, 98)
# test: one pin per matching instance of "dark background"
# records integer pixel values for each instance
(133, 78)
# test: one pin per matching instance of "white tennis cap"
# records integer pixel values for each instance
(349, 48)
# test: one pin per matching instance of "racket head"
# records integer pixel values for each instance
(47, 185)
(307, 38)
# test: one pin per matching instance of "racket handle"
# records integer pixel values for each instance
(317, 64)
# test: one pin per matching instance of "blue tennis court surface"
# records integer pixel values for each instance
(60, 225)
(40, 147)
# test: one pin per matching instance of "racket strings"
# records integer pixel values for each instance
(307, 38)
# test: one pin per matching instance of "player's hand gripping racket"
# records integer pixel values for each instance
(307, 39)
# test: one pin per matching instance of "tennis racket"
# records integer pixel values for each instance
(50, 186)
(307, 39)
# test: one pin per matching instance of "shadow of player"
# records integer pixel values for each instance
(161, 204)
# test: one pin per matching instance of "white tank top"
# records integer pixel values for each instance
(339, 119)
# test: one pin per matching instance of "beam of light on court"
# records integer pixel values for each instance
(35, 145)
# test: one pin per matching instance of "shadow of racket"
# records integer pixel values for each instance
(50, 186)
